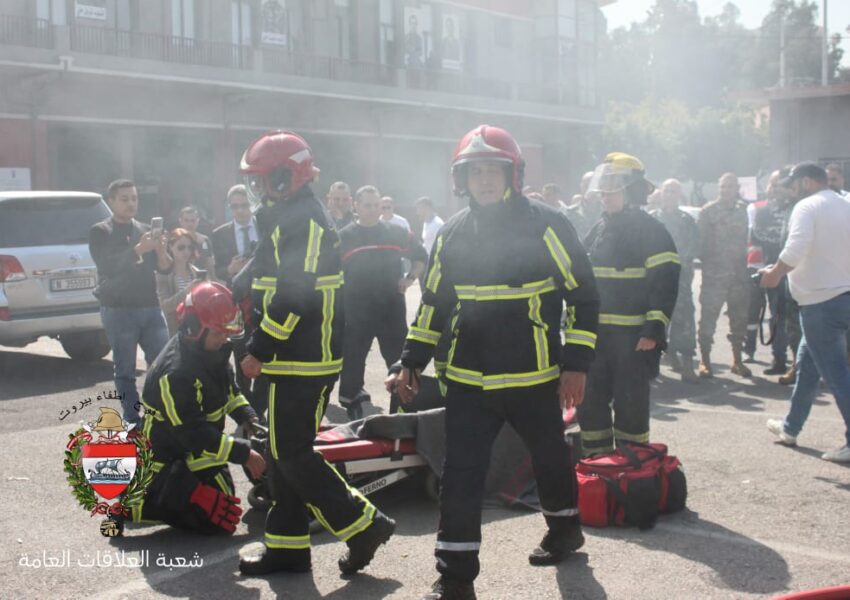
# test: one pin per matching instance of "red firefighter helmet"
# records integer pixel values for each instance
(486, 143)
(209, 306)
(281, 159)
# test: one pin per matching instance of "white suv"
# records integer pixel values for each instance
(46, 272)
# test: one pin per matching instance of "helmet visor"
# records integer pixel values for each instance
(255, 185)
(610, 179)
(233, 326)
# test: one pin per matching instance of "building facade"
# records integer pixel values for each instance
(170, 92)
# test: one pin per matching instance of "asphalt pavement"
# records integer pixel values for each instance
(762, 519)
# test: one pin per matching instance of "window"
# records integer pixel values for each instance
(503, 32)
(125, 14)
(49, 221)
(387, 32)
(183, 18)
(240, 19)
(51, 10)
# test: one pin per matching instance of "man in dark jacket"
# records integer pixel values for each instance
(500, 272)
(127, 253)
(374, 291)
(188, 391)
(297, 300)
(637, 270)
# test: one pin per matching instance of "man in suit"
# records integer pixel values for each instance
(233, 242)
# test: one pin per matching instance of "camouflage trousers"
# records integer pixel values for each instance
(683, 335)
(730, 289)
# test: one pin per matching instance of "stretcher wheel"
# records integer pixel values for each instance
(258, 497)
(432, 486)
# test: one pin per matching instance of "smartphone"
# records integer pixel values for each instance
(156, 226)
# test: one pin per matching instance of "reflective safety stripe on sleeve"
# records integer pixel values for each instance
(432, 281)
(209, 459)
(426, 336)
(234, 401)
(287, 542)
(279, 331)
(657, 315)
(580, 337)
(275, 243)
(624, 320)
(659, 259)
(561, 258)
(458, 546)
(168, 401)
(314, 243)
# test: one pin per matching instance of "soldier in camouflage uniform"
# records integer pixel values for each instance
(723, 230)
(683, 229)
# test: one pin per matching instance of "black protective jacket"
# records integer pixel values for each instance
(500, 275)
(637, 271)
(296, 291)
(187, 394)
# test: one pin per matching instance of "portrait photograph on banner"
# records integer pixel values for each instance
(417, 33)
(275, 27)
(451, 48)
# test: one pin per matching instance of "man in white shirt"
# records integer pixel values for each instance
(431, 222)
(816, 258)
(388, 213)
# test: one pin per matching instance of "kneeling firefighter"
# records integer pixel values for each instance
(188, 391)
(637, 272)
(297, 304)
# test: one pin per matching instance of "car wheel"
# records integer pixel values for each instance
(87, 345)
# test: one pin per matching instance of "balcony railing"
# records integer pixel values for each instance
(151, 46)
(326, 67)
(21, 31)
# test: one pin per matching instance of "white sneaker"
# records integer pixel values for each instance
(777, 428)
(838, 455)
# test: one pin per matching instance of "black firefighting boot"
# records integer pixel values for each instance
(362, 547)
(705, 371)
(446, 588)
(779, 367)
(273, 560)
(738, 367)
(557, 545)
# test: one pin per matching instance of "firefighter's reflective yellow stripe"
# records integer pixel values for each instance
(566, 512)
(539, 328)
(264, 284)
(152, 412)
(432, 282)
(360, 524)
(319, 408)
(215, 415)
(504, 292)
(314, 243)
(234, 401)
(157, 466)
(168, 401)
(222, 484)
(426, 336)
(561, 257)
(291, 367)
(502, 380)
(275, 242)
(287, 542)
(657, 315)
(458, 546)
(279, 331)
(599, 434)
(209, 459)
(641, 438)
(580, 337)
(625, 320)
(612, 273)
(269, 284)
(328, 308)
(426, 313)
(272, 428)
(661, 258)
(329, 281)
(440, 365)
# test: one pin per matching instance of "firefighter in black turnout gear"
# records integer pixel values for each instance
(297, 301)
(188, 391)
(637, 271)
(500, 272)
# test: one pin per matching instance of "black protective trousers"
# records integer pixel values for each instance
(363, 324)
(301, 481)
(167, 497)
(473, 420)
(619, 378)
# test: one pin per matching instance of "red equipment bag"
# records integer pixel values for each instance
(630, 486)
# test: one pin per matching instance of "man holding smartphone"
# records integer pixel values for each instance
(127, 253)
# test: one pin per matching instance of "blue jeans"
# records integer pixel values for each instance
(127, 328)
(822, 353)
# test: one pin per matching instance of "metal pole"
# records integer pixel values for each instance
(824, 67)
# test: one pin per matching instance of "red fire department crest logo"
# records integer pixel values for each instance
(108, 467)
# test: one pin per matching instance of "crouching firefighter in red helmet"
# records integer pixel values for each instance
(501, 272)
(637, 270)
(188, 391)
(297, 304)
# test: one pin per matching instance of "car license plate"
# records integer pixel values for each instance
(66, 284)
